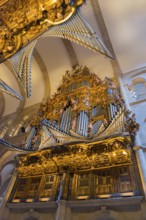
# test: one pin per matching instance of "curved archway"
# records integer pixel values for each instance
(139, 85)
(31, 218)
(104, 218)
(31, 215)
(5, 176)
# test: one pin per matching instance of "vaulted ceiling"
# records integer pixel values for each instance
(120, 24)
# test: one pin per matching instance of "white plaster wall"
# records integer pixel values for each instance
(137, 106)
(125, 21)
(140, 110)
(55, 57)
(7, 172)
(110, 215)
(97, 63)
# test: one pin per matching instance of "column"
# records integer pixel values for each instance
(68, 213)
(61, 210)
(4, 210)
(141, 161)
(61, 187)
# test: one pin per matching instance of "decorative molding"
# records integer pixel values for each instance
(2, 104)
(7, 89)
(71, 52)
(136, 72)
(118, 204)
(44, 72)
(100, 22)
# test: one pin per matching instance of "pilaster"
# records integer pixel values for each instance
(141, 161)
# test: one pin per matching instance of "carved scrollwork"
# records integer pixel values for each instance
(76, 157)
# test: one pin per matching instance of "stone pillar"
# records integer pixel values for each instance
(68, 213)
(61, 210)
(123, 92)
(3, 210)
(141, 161)
(60, 196)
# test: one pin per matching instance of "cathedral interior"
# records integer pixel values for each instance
(72, 110)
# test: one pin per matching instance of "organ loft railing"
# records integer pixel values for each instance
(103, 169)
(104, 183)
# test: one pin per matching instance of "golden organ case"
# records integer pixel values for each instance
(82, 139)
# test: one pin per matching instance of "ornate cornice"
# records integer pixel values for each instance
(77, 157)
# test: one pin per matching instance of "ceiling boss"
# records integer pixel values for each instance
(23, 20)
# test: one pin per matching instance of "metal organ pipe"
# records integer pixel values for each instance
(79, 126)
(84, 124)
(66, 119)
(30, 137)
(62, 121)
(115, 107)
(112, 112)
(81, 121)
(109, 112)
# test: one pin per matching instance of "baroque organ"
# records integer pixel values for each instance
(81, 141)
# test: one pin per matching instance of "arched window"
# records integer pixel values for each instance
(140, 88)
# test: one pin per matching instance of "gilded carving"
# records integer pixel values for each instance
(76, 157)
(23, 20)
(84, 90)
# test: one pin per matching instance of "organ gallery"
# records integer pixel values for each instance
(81, 143)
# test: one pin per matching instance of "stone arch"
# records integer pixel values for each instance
(31, 218)
(104, 218)
(105, 214)
(139, 85)
(12, 162)
(5, 176)
(138, 80)
(4, 125)
(31, 215)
